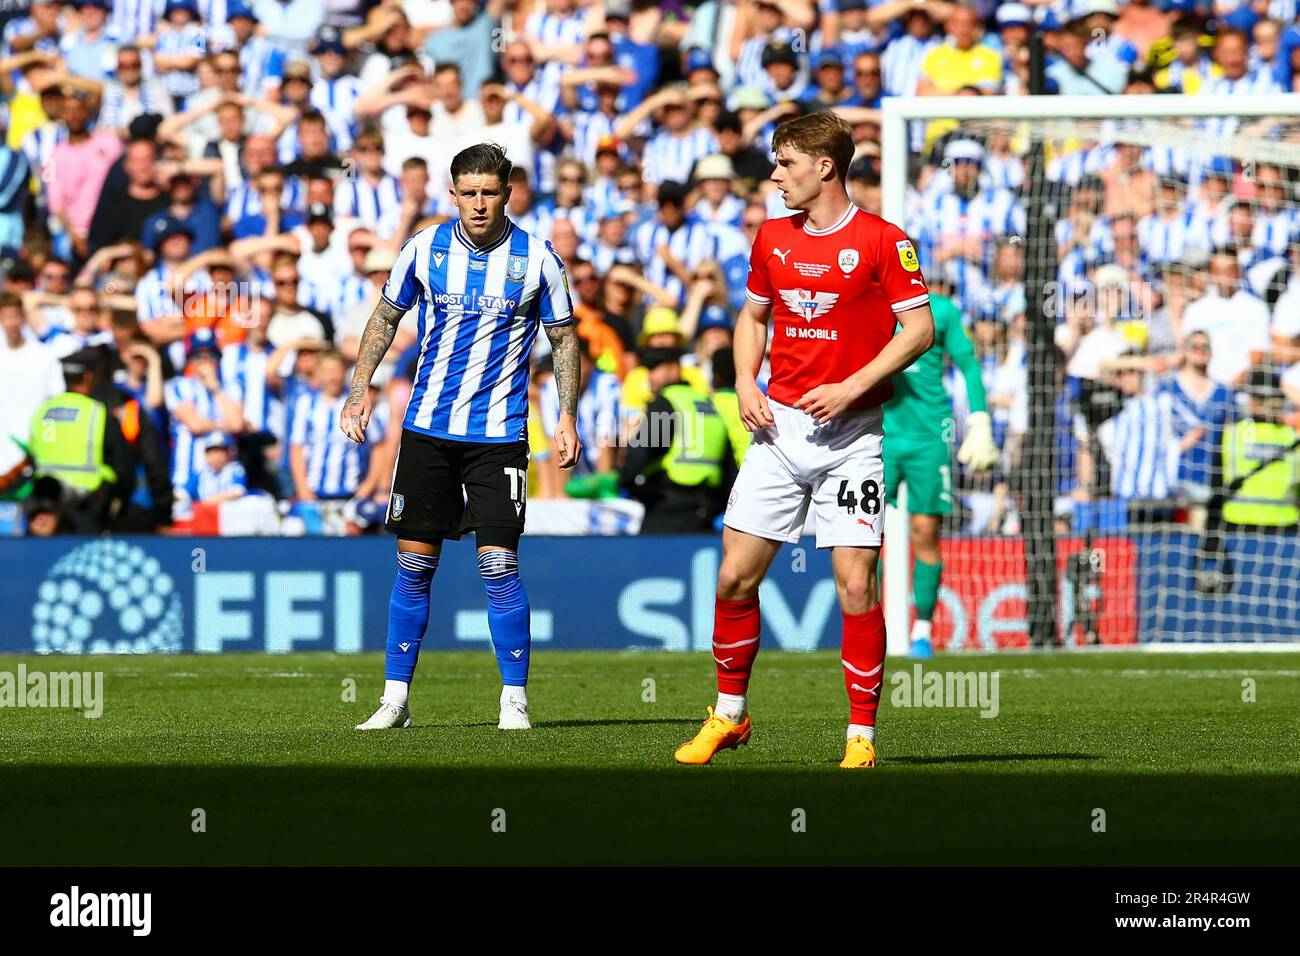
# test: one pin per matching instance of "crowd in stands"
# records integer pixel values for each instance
(200, 199)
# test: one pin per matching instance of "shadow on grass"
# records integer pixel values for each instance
(990, 758)
(438, 815)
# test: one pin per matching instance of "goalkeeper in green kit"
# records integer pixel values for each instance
(918, 428)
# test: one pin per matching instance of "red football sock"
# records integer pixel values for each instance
(735, 643)
(863, 657)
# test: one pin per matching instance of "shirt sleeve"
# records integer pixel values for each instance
(759, 287)
(555, 305)
(899, 271)
(402, 289)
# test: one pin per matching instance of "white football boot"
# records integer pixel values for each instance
(514, 714)
(389, 716)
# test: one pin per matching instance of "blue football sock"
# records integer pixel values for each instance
(507, 614)
(408, 613)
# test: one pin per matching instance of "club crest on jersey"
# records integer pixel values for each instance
(399, 503)
(848, 260)
(516, 268)
(907, 255)
(809, 305)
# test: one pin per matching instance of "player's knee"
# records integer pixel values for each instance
(858, 593)
(734, 584)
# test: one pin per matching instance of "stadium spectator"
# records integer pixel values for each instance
(1261, 448)
(1202, 408)
(29, 374)
(1235, 319)
(325, 463)
(679, 456)
(197, 406)
(74, 440)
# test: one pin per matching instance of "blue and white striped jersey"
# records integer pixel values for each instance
(478, 315)
(588, 128)
(1143, 447)
(208, 483)
(335, 463)
(369, 202)
(243, 376)
(187, 448)
(1168, 239)
(900, 64)
(598, 415)
(338, 95)
(669, 157)
(261, 65)
(132, 19)
(189, 40)
(691, 243)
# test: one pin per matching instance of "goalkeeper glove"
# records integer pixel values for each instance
(977, 452)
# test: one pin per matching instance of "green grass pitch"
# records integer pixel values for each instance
(1185, 770)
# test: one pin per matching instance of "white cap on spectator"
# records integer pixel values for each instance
(1109, 275)
(1101, 6)
(714, 167)
(964, 149)
(749, 98)
(1014, 13)
(379, 259)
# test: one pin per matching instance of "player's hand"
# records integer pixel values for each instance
(827, 401)
(978, 452)
(567, 444)
(755, 412)
(355, 417)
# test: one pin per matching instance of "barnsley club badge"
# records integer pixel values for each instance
(907, 255)
(848, 260)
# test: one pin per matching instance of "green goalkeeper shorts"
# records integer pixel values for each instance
(925, 466)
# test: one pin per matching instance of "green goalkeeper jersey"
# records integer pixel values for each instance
(921, 407)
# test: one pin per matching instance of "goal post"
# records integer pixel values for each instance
(1103, 561)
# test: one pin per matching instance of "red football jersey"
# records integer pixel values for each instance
(833, 294)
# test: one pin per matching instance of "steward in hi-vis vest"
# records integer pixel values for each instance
(78, 442)
(1270, 497)
(679, 462)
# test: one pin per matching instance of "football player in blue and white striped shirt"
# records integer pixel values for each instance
(482, 286)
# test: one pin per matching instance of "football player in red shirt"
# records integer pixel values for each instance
(836, 281)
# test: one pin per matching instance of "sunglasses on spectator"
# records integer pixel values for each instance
(518, 59)
(370, 148)
(571, 179)
(293, 281)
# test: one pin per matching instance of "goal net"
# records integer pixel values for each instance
(1128, 270)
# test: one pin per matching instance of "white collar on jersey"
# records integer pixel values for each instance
(468, 243)
(844, 221)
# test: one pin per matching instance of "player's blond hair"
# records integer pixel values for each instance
(818, 134)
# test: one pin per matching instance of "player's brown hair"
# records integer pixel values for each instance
(818, 134)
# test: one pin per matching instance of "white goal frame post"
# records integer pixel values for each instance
(897, 112)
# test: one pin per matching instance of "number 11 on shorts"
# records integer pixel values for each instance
(518, 486)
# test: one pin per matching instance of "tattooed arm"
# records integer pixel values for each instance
(375, 340)
(568, 382)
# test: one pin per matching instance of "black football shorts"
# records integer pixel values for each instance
(443, 488)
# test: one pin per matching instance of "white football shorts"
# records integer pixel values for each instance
(793, 462)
